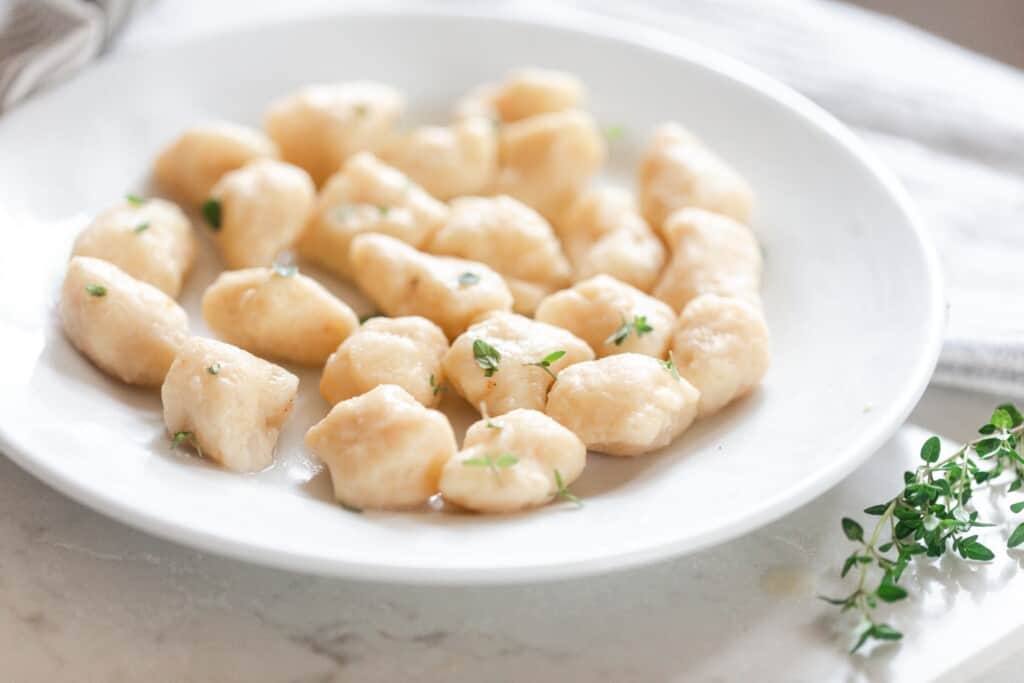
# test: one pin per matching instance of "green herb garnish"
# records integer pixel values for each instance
(435, 386)
(639, 323)
(141, 227)
(486, 356)
(545, 362)
(211, 211)
(670, 365)
(499, 462)
(562, 491)
(186, 438)
(96, 290)
(134, 199)
(213, 369)
(931, 516)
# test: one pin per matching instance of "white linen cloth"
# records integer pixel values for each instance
(948, 121)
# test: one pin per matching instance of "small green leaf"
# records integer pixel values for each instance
(885, 632)
(211, 211)
(486, 356)
(848, 565)
(641, 325)
(476, 462)
(96, 290)
(987, 429)
(1001, 419)
(973, 550)
(563, 492)
(876, 510)
(853, 530)
(890, 592)
(141, 227)
(134, 199)
(1017, 537)
(1016, 419)
(506, 460)
(618, 337)
(863, 638)
(670, 366)
(434, 386)
(931, 449)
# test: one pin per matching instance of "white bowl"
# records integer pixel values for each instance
(851, 293)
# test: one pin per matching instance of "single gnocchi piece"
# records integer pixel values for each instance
(678, 170)
(320, 126)
(277, 313)
(611, 316)
(403, 281)
(508, 361)
(258, 211)
(627, 404)
(151, 240)
(406, 352)
(711, 254)
(189, 167)
(721, 348)
(383, 449)
(510, 463)
(129, 329)
(545, 160)
(604, 233)
(367, 196)
(448, 161)
(511, 238)
(524, 93)
(227, 403)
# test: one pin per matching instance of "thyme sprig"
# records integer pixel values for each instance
(931, 516)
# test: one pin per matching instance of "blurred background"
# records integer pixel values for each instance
(992, 27)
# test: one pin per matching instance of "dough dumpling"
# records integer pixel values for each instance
(277, 313)
(406, 352)
(545, 160)
(627, 404)
(508, 463)
(258, 211)
(151, 240)
(321, 126)
(508, 236)
(611, 317)
(191, 165)
(448, 161)
(494, 362)
(721, 348)
(127, 328)
(524, 93)
(711, 254)
(367, 196)
(604, 233)
(383, 448)
(227, 403)
(678, 170)
(403, 281)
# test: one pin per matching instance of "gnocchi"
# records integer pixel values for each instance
(510, 463)
(129, 329)
(627, 404)
(406, 352)
(403, 281)
(508, 361)
(604, 233)
(524, 93)
(545, 160)
(678, 170)
(383, 449)
(258, 211)
(367, 196)
(711, 254)
(227, 403)
(151, 240)
(190, 166)
(448, 161)
(320, 126)
(278, 313)
(611, 317)
(511, 238)
(721, 347)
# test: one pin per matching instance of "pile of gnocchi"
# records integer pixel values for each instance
(573, 316)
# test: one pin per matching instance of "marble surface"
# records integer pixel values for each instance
(85, 598)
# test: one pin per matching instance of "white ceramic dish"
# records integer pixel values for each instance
(851, 292)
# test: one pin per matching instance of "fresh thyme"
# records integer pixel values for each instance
(212, 213)
(141, 227)
(639, 323)
(545, 362)
(486, 356)
(437, 388)
(930, 516)
(670, 366)
(562, 491)
(493, 462)
(186, 438)
(96, 290)
(134, 199)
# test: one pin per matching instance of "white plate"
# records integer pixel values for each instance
(851, 292)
